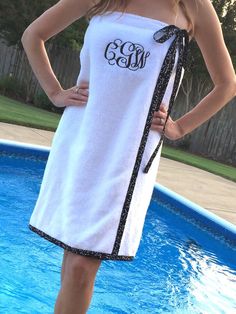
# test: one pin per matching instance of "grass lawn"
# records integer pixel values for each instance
(15, 112)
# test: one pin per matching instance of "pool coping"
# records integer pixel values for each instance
(24, 148)
(203, 217)
(186, 207)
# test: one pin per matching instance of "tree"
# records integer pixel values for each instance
(16, 15)
(226, 11)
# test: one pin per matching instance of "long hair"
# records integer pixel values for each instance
(102, 6)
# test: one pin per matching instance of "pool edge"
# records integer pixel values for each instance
(24, 148)
(190, 209)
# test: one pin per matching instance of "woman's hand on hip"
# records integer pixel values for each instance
(74, 96)
(172, 129)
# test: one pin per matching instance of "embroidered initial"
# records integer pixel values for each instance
(126, 55)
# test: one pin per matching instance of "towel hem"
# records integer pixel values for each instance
(99, 255)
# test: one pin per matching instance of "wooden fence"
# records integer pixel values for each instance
(13, 62)
(215, 139)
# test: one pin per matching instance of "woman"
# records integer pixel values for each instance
(107, 145)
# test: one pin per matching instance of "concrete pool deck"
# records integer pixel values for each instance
(210, 191)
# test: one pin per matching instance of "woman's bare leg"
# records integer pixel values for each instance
(77, 277)
(63, 265)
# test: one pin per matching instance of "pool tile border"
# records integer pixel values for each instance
(215, 224)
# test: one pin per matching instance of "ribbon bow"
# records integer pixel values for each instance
(180, 42)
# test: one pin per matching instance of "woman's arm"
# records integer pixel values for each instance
(50, 23)
(210, 40)
(209, 37)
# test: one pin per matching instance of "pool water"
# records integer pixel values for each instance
(180, 268)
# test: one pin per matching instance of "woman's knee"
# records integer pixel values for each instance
(81, 268)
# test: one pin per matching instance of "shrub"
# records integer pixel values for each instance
(41, 100)
(11, 87)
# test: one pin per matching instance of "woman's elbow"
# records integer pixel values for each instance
(228, 88)
(30, 35)
(27, 34)
(232, 88)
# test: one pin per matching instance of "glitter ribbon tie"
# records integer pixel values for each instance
(180, 43)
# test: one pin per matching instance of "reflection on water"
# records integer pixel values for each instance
(212, 284)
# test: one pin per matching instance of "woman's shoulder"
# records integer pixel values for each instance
(199, 11)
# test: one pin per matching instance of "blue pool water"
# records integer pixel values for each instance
(180, 268)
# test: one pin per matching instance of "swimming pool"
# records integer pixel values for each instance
(185, 263)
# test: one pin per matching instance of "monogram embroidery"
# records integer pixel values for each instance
(126, 55)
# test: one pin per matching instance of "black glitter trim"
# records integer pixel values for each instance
(99, 255)
(159, 91)
(165, 74)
